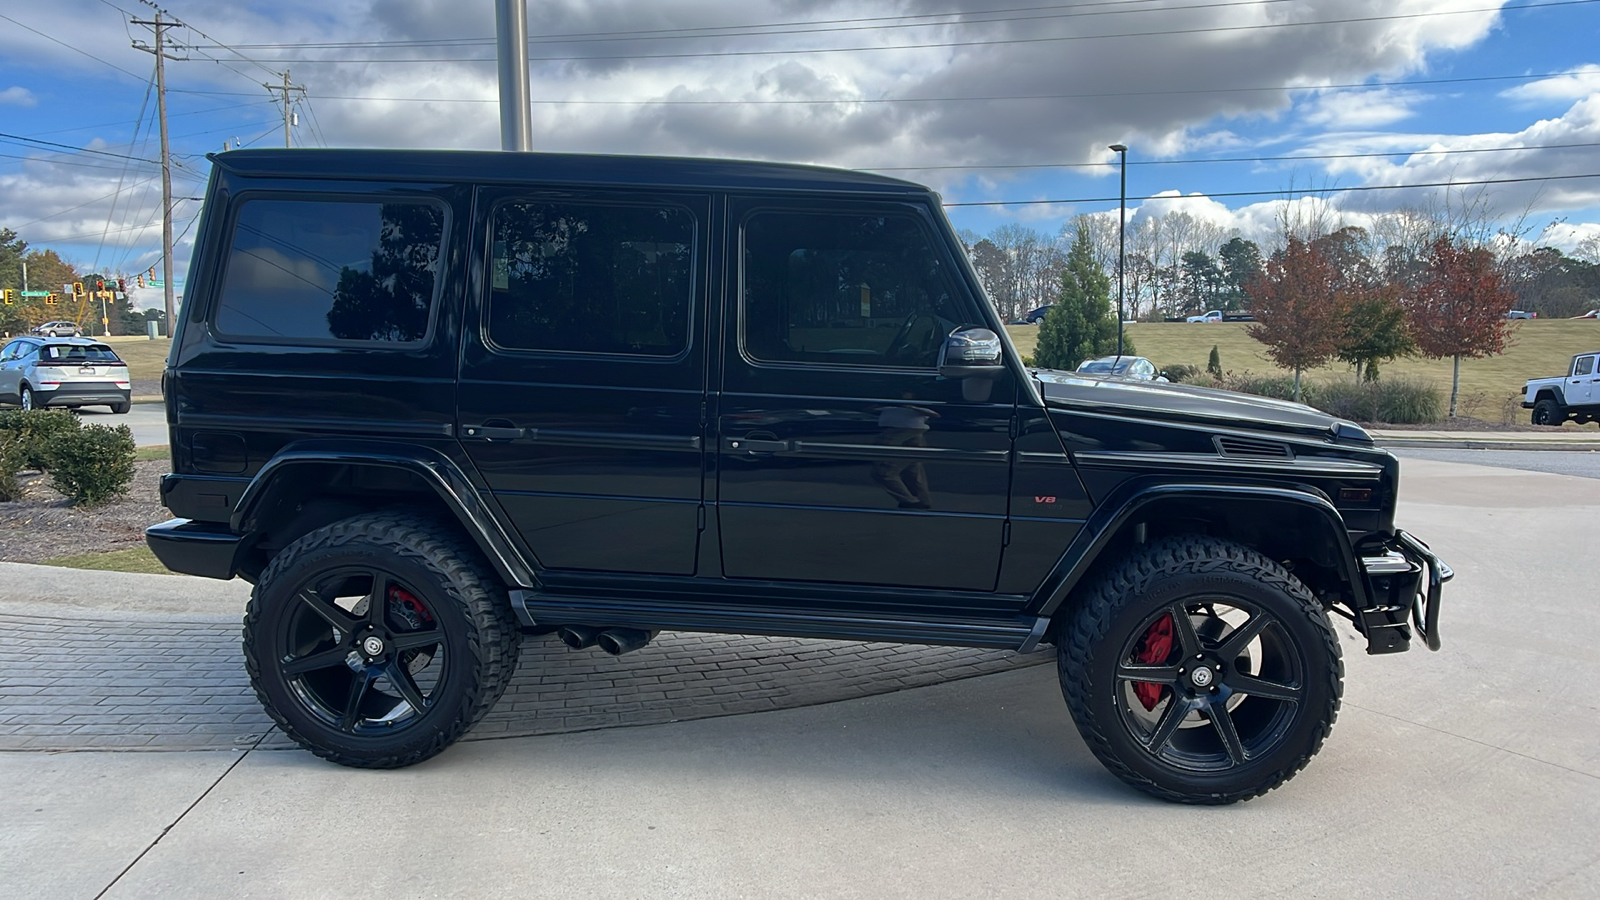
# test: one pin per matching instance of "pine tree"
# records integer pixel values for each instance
(1214, 363)
(1081, 325)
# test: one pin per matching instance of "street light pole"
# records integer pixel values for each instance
(1122, 237)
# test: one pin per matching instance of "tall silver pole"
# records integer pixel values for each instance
(1122, 238)
(511, 27)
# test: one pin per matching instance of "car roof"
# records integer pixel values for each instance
(573, 168)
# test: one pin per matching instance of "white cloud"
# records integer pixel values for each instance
(17, 96)
(1576, 84)
(1359, 109)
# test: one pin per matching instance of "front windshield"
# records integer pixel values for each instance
(1106, 367)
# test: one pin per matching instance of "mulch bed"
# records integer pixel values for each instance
(43, 524)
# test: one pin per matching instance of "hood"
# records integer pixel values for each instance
(1157, 400)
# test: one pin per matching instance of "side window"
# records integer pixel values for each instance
(856, 289)
(10, 352)
(591, 278)
(1583, 366)
(331, 270)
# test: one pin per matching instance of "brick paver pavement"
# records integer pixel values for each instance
(154, 684)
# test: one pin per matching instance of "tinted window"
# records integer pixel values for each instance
(591, 278)
(331, 270)
(78, 354)
(844, 289)
(1585, 365)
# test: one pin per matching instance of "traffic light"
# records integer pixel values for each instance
(50, 299)
(122, 285)
(139, 279)
(77, 288)
(10, 295)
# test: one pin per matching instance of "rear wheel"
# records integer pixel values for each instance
(121, 408)
(379, 640)
(1201, 672)
(1547, 412)
(27, 397)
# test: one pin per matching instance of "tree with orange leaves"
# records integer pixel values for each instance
(1459, 308)
(1298, 308)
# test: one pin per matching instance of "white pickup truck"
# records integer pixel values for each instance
(1575, 395)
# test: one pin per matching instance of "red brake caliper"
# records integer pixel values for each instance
(408, 608)
(1154, 648)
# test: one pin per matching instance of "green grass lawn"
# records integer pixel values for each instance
(1490, 388)
(145, 358)
(136, 559)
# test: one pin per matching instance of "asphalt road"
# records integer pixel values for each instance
(148, 421)
(1581, 463)
(1472, 772)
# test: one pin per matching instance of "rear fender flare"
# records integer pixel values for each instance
(434, 468)
(1124, 505)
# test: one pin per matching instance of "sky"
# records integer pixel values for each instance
(1229, 108)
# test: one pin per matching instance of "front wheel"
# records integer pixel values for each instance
(1200, 671)
(378, 640)
(1547, 412)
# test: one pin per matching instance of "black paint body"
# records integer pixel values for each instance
(698, 485)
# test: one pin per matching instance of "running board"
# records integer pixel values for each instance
(541, 610)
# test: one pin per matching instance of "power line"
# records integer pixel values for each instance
(69, 147)
(704, 32)
(1217, 29)
(72, 48)
(1280, 193)
(1356, 85)
(1236, 159)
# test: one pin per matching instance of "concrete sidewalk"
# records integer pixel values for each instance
(1584, 439)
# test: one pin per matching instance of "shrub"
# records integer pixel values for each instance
(1214, 363)
(1393, 401)
(32, 431)
(1181, 373)
(1280, 387)
(92, 465)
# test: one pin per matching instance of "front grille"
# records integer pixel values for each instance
(1251, 448)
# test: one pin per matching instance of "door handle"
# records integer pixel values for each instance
(493, 432)
(757, 445)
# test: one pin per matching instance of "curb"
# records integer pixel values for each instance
(1469, 444)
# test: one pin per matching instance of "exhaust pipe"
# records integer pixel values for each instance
(617, 641)
(578, 636)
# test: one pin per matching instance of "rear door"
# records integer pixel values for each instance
(583, 373)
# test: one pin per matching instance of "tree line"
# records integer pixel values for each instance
(47, 271)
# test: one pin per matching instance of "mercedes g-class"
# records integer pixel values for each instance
(431, 402)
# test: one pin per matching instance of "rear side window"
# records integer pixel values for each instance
(331, 270)
(591, 278)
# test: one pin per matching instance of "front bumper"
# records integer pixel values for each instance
(1404, 584)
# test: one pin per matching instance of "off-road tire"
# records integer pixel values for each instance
(1157, 575)
(469, 604)
(1548, 412)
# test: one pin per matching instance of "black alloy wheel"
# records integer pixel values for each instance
(378, 640)
(1547, 412)
(1200, 671)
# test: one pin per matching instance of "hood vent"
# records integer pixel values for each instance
(1251, 448)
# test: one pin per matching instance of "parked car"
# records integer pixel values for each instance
(1034, 317)
(1521, 314)
(36, 372)
(1214, 315)
(1123, 366)
(61, 328)
(1591, 314)
(557, 411)
(1575, 395)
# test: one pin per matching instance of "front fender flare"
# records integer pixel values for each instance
(434, 468)
(1125, 502)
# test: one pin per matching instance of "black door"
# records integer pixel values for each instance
(583, 374)
(842, 454)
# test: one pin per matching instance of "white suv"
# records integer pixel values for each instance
(61, 328)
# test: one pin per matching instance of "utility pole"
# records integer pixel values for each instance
(286, 88)
(161, 55)
(511, 34)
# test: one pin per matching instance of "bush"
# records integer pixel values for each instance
(1393, 401)
(1214, 363)
(1280, 387)
(1181, 373)
(32, 431)
(92, 465)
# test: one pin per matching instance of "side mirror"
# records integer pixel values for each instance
(973, 355)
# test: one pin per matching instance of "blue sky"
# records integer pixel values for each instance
(915, 89)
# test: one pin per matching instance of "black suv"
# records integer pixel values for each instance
(430, 402)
